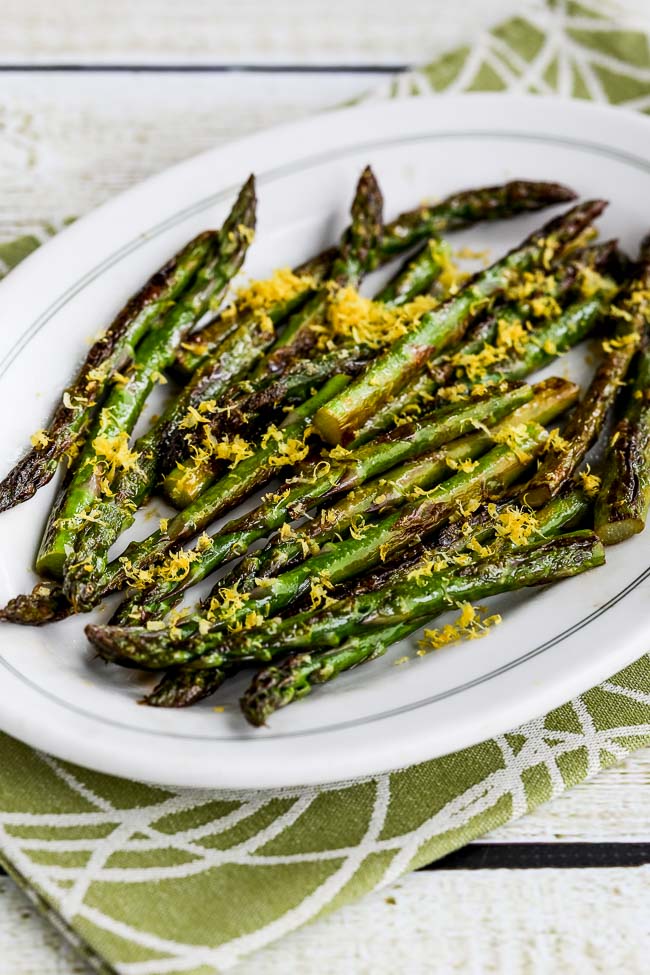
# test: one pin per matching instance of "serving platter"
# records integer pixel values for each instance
(552, 643)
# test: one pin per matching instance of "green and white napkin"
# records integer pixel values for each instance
(148, 881)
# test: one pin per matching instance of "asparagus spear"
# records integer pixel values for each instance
(109, 435)
(85, 588)
(630, 318)
(46, 603)
(453, 213)
(206, 341)
(624, 497)
(394, 533)
(566, 511)
(535, 565)
(550, 399)
(183, 689)
(468, 207)
(190, 477)
(110, 353)
(114, 515)
(319, 481)
(331, 625)
(391, 371)
(178, 687)
(356, 256)
(440, 371)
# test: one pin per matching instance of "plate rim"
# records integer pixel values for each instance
(30, 733)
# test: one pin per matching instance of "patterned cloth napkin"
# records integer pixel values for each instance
(147, 881)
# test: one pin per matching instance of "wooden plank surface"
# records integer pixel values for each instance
(505, 922)
(245, 32)
(70, 140)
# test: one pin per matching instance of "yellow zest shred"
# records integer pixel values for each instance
(468, 254)
(286, 532)
(590, 482)
(468, 626)
(192, 419)
(234, 449)
(358, 528)
(247, 233)
(115, 452)
(483, 550)
(545, 306)
(454, 394)
(339, 453)
(318, 592)
(119, 379)
(469, 508)
(590, 282)
(98, 373)
(621, 342)
(516, 525)
(290, 451)
(283, 285)
(617, 312)
(555, 441)
(517, 438)
(40, 439)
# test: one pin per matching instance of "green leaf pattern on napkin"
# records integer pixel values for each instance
(148, 881)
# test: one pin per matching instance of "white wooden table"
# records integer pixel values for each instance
(95, 96)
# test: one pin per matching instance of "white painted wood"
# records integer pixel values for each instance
(538, 922)
(67, 142)
(248, 31)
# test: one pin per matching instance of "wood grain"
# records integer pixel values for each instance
(581, 922)
(249, 31)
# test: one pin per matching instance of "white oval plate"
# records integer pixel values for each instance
(552, 644)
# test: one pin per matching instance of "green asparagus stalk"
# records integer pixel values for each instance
(109, 436)
(204, 342)
(630, 318)
(336, 622)
(478, 530)
(109, 354)
(316, 483)
(409, 229)
(469, 207)
(396, 532)
(180, 687)
(624, 497)
(551, 398)
(190, 478)
(339, 421)
(600, 258)
(539, 564)
(47, 603)
(356, 256)
(279, 447)
(160, 443)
